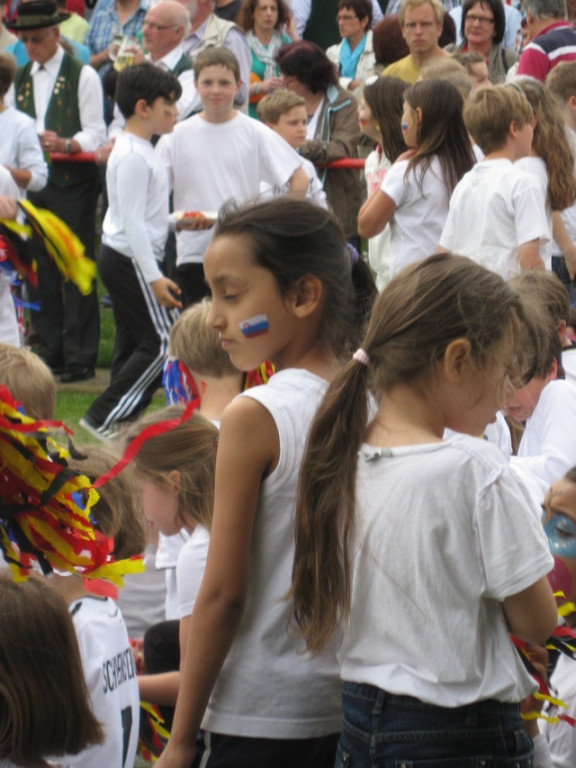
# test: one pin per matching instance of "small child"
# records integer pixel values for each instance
(561, 82)
(415, 194)
(285, 113)
(109, 668)
(497, 212)
(134, 234)
(44, 707)
(218, 155)
(546, 403)
(29, 380)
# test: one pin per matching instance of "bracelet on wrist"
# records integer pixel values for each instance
(68, 146)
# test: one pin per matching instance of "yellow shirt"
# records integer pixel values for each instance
(404, 68)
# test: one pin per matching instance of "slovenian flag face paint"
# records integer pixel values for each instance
(254, 326)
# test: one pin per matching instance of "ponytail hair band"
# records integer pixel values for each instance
(361, 357)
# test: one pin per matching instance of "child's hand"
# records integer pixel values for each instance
(194, 223)
(8, 207)
(165, 291)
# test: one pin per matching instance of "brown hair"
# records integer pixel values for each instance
(415, 318)
(7, 72)
(385, 99)
(190, 449)
(441, 132)
(561, 81)
(489, 112)
(245, 18)
(29, 380)
(551, 144)
(546, 299)
(44, 704)
(277, 103)
(197, 345)
(214, 56)
(116, 512)
(388, 42)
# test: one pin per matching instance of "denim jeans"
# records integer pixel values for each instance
(381, 730)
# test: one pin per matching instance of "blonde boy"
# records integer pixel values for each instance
(285, 113)
(497, 212)
(29, 381)
(219, 155)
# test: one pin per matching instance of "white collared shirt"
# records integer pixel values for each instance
(90, 100)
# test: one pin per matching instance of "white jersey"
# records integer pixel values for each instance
(110, 675)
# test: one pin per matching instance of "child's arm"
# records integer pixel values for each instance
(529, 255)
(132, 181)
(564, 242)
(532, 614)
(163, 688)
(241, 465)
(299, 183)
(375, 213)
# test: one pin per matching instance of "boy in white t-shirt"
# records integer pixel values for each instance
(220, 155)
(285, 113)
(547, 404)
(497, 212)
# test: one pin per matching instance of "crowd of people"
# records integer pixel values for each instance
(311, 597)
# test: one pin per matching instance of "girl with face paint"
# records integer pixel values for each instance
(285, 288)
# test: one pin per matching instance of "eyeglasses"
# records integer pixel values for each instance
(480, 19)
(159, 27)
(345, 18)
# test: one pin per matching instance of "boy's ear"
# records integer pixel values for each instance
(239, 85)
(141, 108)
(305, 297)
(571, 103)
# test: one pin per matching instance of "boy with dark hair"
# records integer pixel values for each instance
(218, 155)
(497, 213)
(135, 229)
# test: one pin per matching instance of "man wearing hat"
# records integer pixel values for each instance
(64, 97)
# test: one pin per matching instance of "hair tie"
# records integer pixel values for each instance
(354, 255)
(361, 357)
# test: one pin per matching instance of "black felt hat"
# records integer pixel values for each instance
(36, 14)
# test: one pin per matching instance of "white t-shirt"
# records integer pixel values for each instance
(443, 533)
(496, 207)
(9, 333)
(547, 449)
(421, 211)
(137, 220)
(269, 687)
(537, 167)
(569, 214)
(20, 148)
(166, 560)
(569, 364)
(110, 675)
(211, 163)
(379, 246)
(561, 737)
(190, 569)
(315, 192)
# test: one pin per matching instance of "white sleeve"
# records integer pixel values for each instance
(555, 452)
(395, 185)
(132, 179)
(31, 158)
(530, 217)
(165, 148)
(190, 569)
(7, 184)
(512, 544)
(236, 42)
(279, 160)
(448, 233)
(91, 105)
(116, 127)
(301, 10)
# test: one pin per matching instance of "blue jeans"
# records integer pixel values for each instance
(381, 730)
